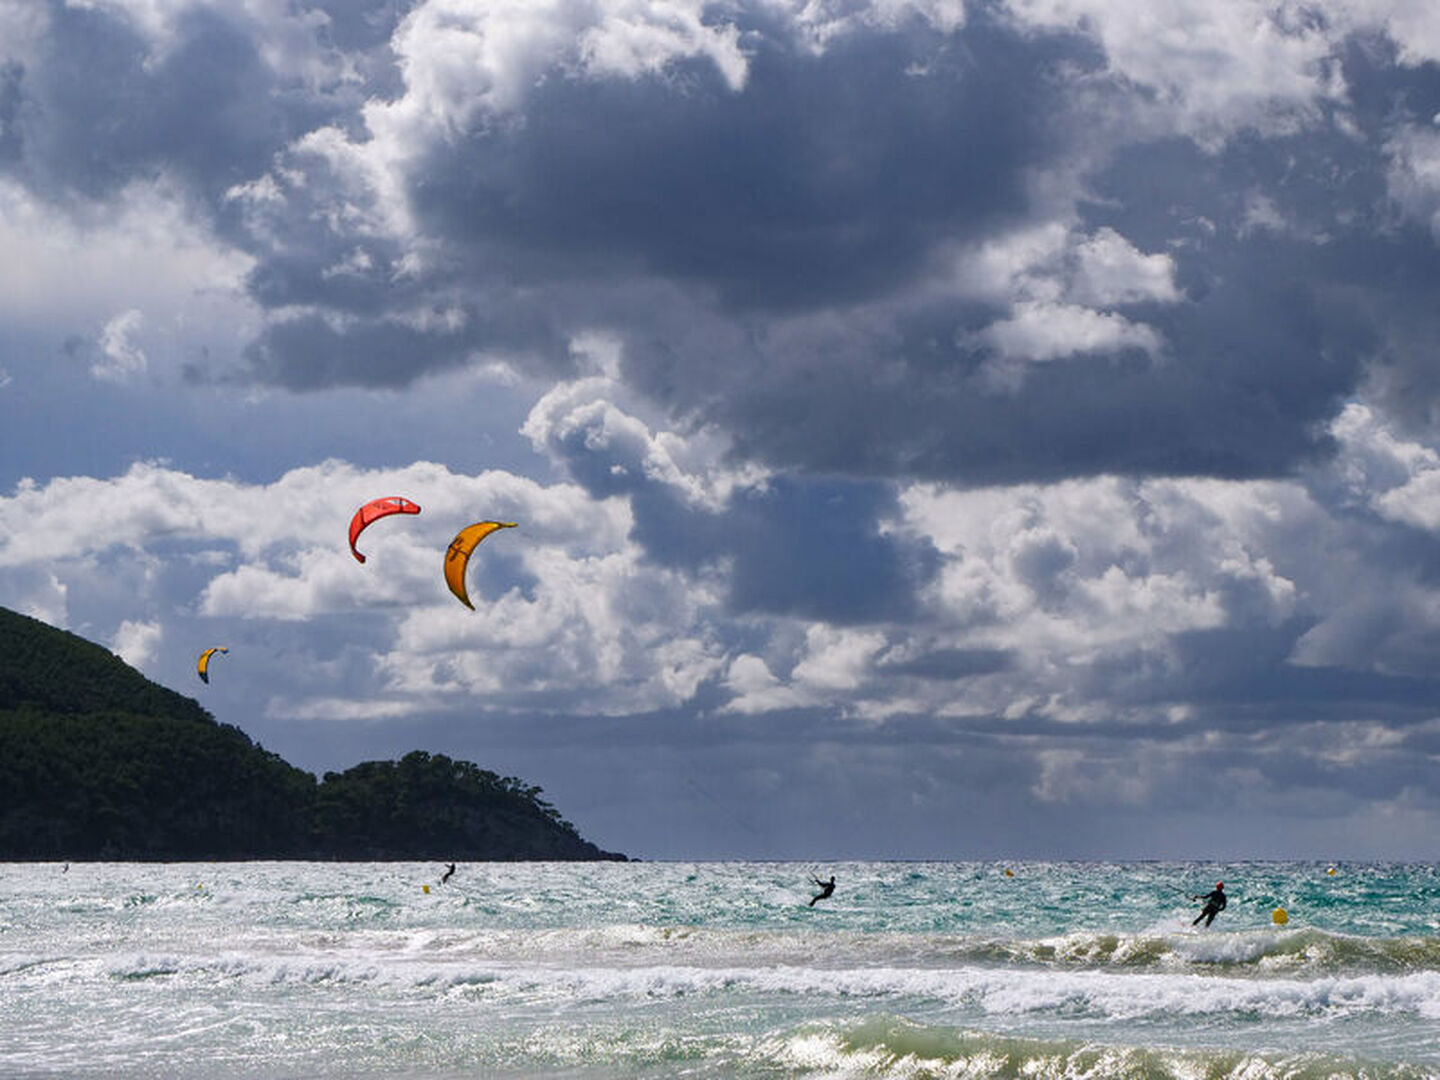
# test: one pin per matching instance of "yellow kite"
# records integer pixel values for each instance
(457, 558)
(202, 666)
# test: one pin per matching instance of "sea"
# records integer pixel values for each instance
(718, 969)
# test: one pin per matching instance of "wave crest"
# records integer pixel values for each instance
(890, 1046)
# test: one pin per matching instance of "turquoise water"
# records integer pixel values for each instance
(717, 969)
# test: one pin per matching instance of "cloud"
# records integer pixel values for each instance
(755, 689)
(1414, 176)
(1210, 69)
(137, 642)
(841, 237)
(1109, 270)
(247, 77)
(1043, 332)
(79, 264)
(1088, 643)
(121, 359)
(843, 598)
(567, 612)
(1035, 400)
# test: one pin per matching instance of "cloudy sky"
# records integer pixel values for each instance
(936, 428)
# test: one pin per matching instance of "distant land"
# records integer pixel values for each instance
(98, 762)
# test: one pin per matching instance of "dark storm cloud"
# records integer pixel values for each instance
(825, 179)
(310, 352)
(952, 663)
(1241, 678)
(813, 549)
(1277, 325)
(1273, 332)
(99, 109)
(796, 223)
(361, 354)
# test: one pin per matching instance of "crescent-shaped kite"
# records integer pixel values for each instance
(202, 665)
(457, 557)
(374, 510)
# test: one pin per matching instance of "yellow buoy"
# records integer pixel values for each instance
(1009, 872)
(1331, 871)
(1279, 917)
(426, 888)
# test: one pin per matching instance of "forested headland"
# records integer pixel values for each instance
(98, 762)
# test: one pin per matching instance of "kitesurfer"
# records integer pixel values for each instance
(826, 888)
(446, 876)
(1214, 904)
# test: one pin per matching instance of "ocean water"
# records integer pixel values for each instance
(1086, 970)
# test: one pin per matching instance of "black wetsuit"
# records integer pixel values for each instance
(1214, 904)
(446, 877)
(826, 888)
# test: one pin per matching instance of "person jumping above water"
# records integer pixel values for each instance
(1214, 904)
(826, 888)
(446, 876)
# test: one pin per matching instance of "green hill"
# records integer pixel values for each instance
(97, 762)
(60, 672)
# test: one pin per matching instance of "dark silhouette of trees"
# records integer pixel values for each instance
(98, 762)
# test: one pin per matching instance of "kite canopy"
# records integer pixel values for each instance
(374, 510)
(457, 557)
(202, 665)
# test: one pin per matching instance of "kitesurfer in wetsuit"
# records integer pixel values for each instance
(1214, 904)
(826, 888)
(446, 876)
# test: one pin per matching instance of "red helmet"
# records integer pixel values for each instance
(1219, 884)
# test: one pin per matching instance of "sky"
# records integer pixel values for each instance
(935, 428)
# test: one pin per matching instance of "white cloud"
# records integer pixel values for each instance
(1049, 331)
(1110, 270)
(1413, 25)
(755, 689)
(339, 709)
(584, 425)
(1066, 574)
(820, 23)
(1051, 263)
(837, 659)
(1414, 175)
(1072, 776)
(465, 62)
(137, 642)
(80, 266)
(1059, 285)
(584, 623)
(605, 635)
(121, 357)
(1397, 478)
(1056, 579)
(1023, 264)
(44, 597)
(1210, 69)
